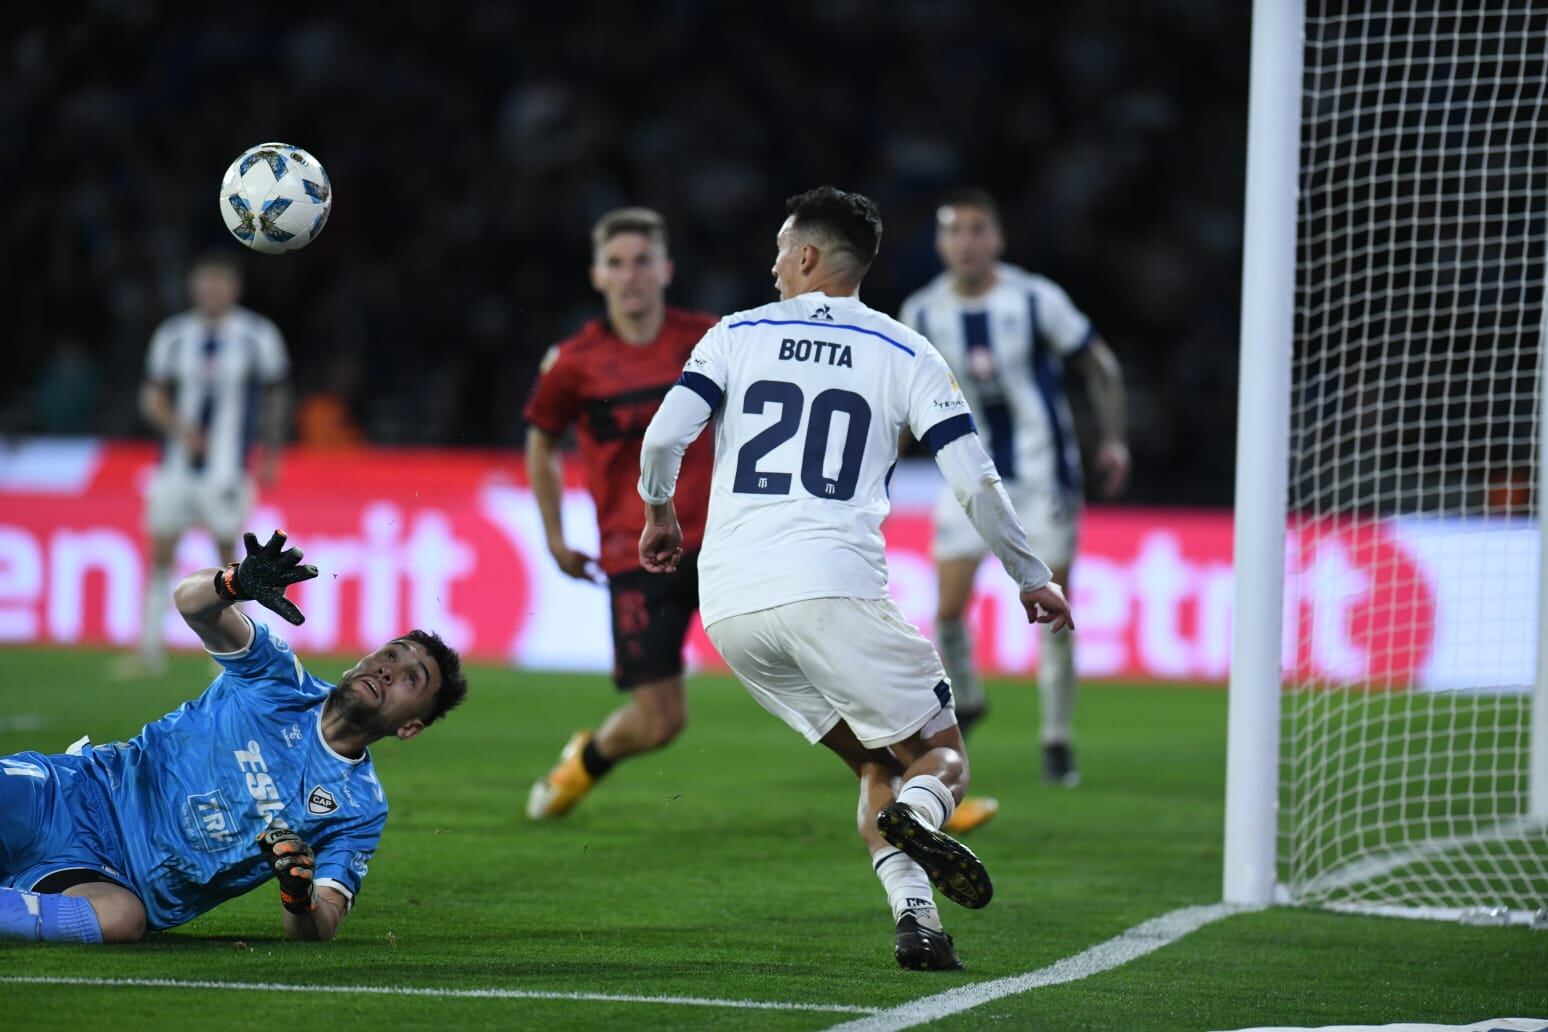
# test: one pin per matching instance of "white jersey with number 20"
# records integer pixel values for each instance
(809, 397)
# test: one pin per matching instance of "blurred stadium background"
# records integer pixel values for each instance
(470, 154)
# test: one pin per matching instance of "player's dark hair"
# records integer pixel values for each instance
(630, 220)
(454, 685)
(218, 258)
(973, 197)
(852, 220)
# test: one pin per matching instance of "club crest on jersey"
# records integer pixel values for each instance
(321, 802)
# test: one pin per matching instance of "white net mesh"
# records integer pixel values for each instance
(1411, 601)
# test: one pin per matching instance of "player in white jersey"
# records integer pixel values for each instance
(1008, 335)
(812, 393)
(215, 378)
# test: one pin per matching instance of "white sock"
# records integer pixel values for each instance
(930, 799)
(1056, 686)
(908, 890)
(957, 657)
(158, 594)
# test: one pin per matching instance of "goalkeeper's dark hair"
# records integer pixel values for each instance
(850, 220)
(454, 685)
(973, 197)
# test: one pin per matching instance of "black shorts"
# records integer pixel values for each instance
(651, 612)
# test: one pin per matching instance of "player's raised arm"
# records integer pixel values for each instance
(205, 598)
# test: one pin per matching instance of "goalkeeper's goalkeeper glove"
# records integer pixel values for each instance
(264, 575)
(294, 865)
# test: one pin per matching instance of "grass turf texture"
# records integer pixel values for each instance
(726, 866)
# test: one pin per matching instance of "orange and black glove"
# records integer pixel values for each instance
(264, 575)
(294, 866)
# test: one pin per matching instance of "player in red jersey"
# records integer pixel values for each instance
(608, 380)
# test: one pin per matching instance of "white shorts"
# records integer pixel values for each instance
(177, 500)
(816, 662)
(1050, 515)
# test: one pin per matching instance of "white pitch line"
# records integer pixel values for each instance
(1131, 945)
(465, 994)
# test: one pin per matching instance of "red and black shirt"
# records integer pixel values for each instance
(610, 389)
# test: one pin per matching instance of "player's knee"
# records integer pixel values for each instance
(953, 771)
(124, 928)
(120, 916)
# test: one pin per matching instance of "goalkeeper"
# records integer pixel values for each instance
(266, 775)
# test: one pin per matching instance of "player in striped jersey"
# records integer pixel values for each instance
(1008, 335)
(215, 378)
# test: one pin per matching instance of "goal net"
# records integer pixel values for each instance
(1411, 603)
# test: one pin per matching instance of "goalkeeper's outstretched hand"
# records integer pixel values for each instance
(264, 575)
(294, 866)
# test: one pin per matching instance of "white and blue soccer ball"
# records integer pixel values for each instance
(275, 198)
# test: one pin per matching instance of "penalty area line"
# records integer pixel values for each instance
(432, 991)
(1131, 945)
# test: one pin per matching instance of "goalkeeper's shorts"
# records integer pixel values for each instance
(54, 819)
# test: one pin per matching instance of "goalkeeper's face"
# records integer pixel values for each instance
(632, 271)
(391, 691)
(968, 240)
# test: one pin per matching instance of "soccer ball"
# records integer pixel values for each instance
(275, 198)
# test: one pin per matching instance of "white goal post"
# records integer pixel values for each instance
(1388, 746)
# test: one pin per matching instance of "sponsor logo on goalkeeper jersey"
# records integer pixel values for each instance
(260, 785)
(207, 821)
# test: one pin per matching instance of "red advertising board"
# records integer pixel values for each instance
(451, 540)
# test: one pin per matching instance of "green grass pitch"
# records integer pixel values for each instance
(726, 866)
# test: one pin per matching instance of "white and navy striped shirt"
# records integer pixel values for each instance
(1007, 348)
(216, 372)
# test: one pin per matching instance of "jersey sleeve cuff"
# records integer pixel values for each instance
(647, 498)
(948, 430)
(252, 636)
(1084, 342)
(703, 386)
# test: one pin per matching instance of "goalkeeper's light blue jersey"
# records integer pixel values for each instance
(193, 790)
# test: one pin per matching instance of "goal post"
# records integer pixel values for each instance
(1263, 448)
(1388, 731)
(1538, 739)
